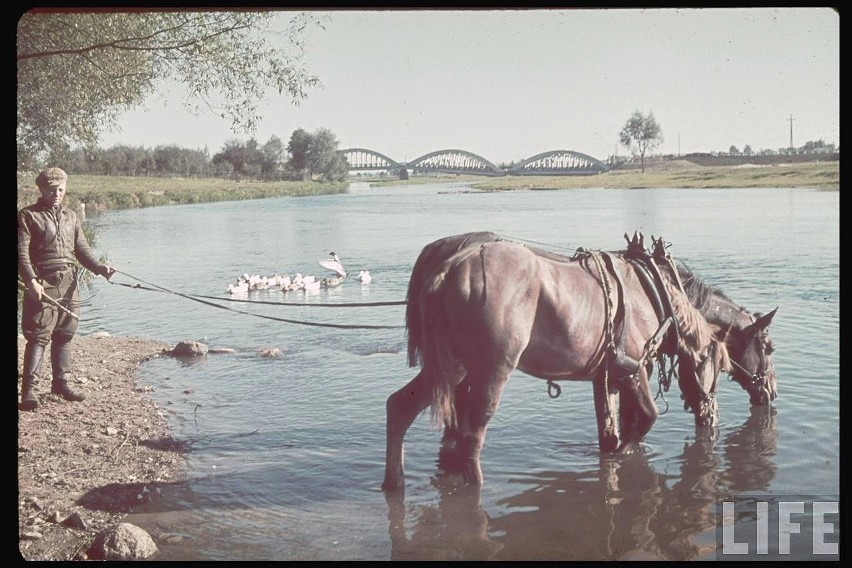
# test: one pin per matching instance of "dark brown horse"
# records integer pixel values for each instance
(587, 318)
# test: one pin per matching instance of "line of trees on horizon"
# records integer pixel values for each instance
(307, 156)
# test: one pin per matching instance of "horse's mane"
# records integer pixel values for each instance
(695, 332)
(698, 292)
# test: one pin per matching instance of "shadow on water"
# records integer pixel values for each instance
(624, 510)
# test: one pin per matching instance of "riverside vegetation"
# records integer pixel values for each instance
(669, 174)
(101, 193)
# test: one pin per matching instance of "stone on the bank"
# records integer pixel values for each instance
(189, 348)
(124, 541)
(76, 521)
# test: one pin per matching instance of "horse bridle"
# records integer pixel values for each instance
(757, 378)
(706, 397)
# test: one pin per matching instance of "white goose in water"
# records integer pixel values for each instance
(333, 263)
(240, 287)
(311, 284)
(365, 277)
(332, 281)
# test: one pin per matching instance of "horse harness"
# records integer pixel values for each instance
(662, 346)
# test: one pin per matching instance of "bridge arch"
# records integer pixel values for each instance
(560, 162)
(454, 161)
(364, 159)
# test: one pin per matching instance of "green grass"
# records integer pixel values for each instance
(123, 192)
(820, 175)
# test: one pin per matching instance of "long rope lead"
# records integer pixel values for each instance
(302, 305)
(155, 287)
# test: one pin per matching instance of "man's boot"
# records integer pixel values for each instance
(60, 359)
(33, 354)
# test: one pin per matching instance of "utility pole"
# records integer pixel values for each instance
(791, 119)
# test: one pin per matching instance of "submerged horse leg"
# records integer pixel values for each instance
(479, 405)
(606, 411)
(637, 410)
(403, 407)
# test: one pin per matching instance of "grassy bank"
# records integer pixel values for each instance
(122, 192)
(672, 174)
(820, 175)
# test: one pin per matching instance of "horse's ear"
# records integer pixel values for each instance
(761, 322)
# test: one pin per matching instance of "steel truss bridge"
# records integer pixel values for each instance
(452, 161)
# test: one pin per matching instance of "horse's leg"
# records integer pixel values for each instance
(637, 410)
(606, 411)
(481, 402)
(403, 407)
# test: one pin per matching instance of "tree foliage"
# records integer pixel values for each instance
(316, 156)
(298, 149)
(640, 134)
(78, 70)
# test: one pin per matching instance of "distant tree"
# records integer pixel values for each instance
(167, 159)
(323, 158)
(316, 156)
(640, 134)
(240, 155)
(300, 140)
(78, 69)
(817, 146)
(734, 151)
(272, 154)
(747, 150)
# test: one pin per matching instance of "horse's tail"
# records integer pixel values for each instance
(422, 268)
(440, 362)
(435, 350)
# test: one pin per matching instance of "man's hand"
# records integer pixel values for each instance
(35, 289)
(106, 271)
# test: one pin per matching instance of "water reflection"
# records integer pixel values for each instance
(455, 529)
(624, 510)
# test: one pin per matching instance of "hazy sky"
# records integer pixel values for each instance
(509, 84)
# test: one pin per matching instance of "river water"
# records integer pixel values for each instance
(287, 453)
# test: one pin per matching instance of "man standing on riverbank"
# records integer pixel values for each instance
(50, 243)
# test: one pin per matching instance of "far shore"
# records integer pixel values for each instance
(122, 192)
(676, 174)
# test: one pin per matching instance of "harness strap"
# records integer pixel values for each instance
(609, 347)
(660, 256)
(621, 359)
(652, 282)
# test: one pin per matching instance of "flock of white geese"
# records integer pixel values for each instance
(298, 282)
